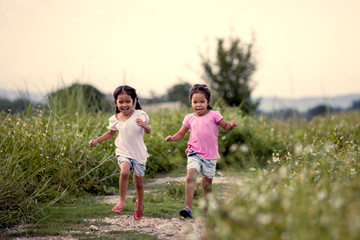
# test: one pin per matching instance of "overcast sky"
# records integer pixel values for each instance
(303, 48)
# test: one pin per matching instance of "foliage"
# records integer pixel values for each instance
(229, 75)
(355, 105)
(250, 144)
(17, 106)
(309, 192)
(165, 157)
(180, 92)
(44, 157)
(47, 155)
(176, 190)
(322, 110)
(80, 98)
(282, 114)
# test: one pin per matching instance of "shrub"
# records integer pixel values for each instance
(310, 192)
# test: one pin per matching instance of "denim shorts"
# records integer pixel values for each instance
(137, 168)
(206, 167)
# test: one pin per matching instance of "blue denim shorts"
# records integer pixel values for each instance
(206, 167)
(137, 168)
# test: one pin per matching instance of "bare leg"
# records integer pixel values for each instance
(139, 185)
(123, 182)
(207, 188)
(190, 187)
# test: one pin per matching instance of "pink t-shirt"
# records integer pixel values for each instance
(203, 134)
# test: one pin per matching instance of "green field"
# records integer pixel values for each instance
(302, 176)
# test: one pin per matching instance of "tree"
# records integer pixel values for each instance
(321, 110)
(355, 105)
(80, 98)
(180, 92)
(230, 74)
(19, 105)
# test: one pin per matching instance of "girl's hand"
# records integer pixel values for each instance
(233, 123)
(140, 122)
(169, 139)
(93, 143)
(144, 125)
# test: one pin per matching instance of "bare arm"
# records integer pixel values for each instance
(227, 126)
(107, 135)
(144, 125)
(177, 136)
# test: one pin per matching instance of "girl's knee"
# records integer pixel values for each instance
(139, 184)
(191, 175)
(207, 184)
(124, 175)
(190, 179)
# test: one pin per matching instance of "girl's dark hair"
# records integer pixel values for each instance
(129, 91)
(201, 88)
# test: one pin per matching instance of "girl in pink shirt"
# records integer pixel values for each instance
(202, 148)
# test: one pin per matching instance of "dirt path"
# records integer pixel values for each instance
(175, 228)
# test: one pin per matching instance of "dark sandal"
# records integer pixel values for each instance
(185, 213)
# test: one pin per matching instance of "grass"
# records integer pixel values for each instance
(310, 192)
(297, 179)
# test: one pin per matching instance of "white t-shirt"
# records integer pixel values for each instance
(130, 139)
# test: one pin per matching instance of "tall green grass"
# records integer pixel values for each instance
(310, 192)
(45, 155)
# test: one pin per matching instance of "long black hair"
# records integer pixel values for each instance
(129, 91)
(201, 88)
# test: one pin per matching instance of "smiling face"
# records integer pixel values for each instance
(199, 103)
(124, 103)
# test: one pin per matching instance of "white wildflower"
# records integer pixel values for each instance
(263, 218)
(337, 202)
(298, 148)
(275, 159)
(321, 195)
(233, 147)
(244, 148)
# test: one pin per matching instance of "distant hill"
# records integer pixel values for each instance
(269, 104)
(12, 95)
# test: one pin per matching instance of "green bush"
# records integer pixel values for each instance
(176, 190)
(165, 157)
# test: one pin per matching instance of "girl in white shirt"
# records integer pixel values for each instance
(131, 151)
